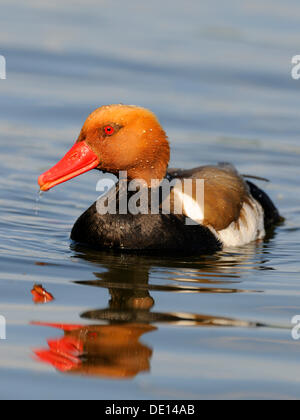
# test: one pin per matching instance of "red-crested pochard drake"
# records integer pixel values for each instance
(122, 138)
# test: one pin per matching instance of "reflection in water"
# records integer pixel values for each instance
(114, 349)
(40, 295)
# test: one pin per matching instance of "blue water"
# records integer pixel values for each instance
(218, 75)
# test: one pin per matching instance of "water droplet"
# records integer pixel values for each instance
(37, 202)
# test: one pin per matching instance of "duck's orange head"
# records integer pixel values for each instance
(115, 138)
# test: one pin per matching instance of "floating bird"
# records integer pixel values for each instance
(123, 139)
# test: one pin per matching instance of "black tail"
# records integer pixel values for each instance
(272, 216)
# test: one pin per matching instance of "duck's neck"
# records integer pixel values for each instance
(152, 167)
(151, 176)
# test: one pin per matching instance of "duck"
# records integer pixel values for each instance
(128, 141)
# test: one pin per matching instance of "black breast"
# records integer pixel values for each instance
(151, 232)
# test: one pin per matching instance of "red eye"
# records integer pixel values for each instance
(109, 130)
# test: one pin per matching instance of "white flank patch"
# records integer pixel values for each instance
(193, 209)
(237, 234)
(242, 233)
